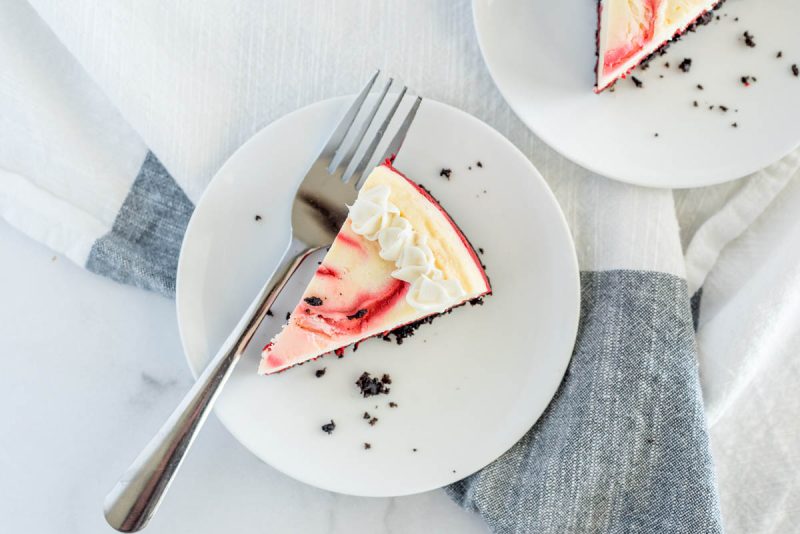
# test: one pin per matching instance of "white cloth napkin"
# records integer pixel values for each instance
(87, 87)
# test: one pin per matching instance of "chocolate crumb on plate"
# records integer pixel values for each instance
(329, 427)
(367, 446)
(735, 125)
(480, 250)
(655, 134)
(370, 385)
(686, 65)
(724, 109)
(695, 104)
(479, 164)
(392, 405)
(796, 70)
(666, 65)
(288, 314)
(366, 415)
(258, 217)
(446, 173)
(386, 379)
(313, 301)
(746, 80)
(779, 54)
(748, 40)
(699, 86)
(637, 82)
(413, 450)
(373, 421)
(319, 373)
(269, 313)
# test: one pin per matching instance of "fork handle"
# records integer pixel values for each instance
(135, 498)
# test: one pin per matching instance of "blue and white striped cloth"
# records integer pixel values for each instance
(114, 117)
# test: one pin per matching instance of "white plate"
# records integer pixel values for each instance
(467, 387)
(541, 55)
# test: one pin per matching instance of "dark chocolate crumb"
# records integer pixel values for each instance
(660, 75)
(370, 386)
(469, 168)
(666, 65)
(796, 70)
(319, 373)
(288, 314)
(699, 86)
(329, 427)
(735, 125)
(644, 65)
(454, 470)
(392, 405)
(446, 173)
(724, 109)
(258, 217)
(373, 421)
(686, 65)
(736, 19)
(710, 107)
(269, 313)
(477, 301)
(413, 450)
(386, 379)
(366, 415)
(655, 134)
(480, 250)
(479, 164)
(637, 82)
(748, 40)
(695, 104)
(358, 315)
(746, 80)
(779, 54)
(367, 446)
(313, 301)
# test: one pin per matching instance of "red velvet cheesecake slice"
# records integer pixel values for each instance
(398, 258)
(630, 31)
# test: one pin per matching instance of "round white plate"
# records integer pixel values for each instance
(467, 386)
(541, 55)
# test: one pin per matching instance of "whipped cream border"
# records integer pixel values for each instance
(375, 218)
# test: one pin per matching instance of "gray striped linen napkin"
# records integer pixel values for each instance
(623, 446)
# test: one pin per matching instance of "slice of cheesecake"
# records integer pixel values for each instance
(398, 259)
(630, 31)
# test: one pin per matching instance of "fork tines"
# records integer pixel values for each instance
(349, 150)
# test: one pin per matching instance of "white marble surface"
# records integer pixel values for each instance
(88, 371)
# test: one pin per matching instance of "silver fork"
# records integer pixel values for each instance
(318, 213)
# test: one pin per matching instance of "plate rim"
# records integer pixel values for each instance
(573, 266)
(576, 159)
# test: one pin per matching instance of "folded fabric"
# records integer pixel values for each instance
(623, 445)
